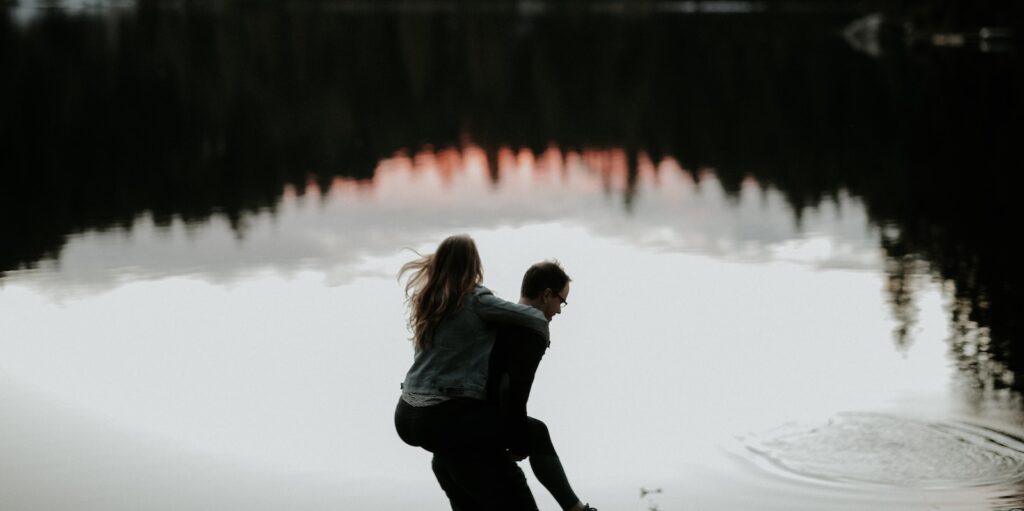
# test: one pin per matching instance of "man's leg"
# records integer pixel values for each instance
(547, 466)
(460, 499)
(483, 483)
(470, 463)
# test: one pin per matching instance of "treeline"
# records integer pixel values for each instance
(191, 112)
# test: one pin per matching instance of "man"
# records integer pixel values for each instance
(497, 482)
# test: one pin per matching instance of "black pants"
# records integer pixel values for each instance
(464, 428)
(470, 461)
(482, 484)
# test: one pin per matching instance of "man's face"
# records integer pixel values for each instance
(553, 301)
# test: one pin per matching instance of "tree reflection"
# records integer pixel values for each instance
(194, 113)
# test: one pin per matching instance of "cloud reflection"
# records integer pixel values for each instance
(418, 197)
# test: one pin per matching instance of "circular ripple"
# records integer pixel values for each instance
(893, 451)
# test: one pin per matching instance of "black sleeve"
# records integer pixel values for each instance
(514, 360)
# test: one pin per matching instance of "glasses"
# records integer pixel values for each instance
(564, 303)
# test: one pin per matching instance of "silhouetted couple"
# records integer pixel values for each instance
(464, 398)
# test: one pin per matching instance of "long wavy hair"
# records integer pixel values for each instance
(439, 285)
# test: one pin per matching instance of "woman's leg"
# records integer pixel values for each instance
(548, 467)
(405, 422)
(462, 428)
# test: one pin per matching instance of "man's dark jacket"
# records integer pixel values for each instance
(517, 353)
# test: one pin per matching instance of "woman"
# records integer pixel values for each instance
(444, 407)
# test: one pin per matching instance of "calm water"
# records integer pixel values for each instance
(785, 296)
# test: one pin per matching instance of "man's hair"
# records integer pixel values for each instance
(541, 276)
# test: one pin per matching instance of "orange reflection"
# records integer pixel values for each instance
(337, 185)
(473, 169)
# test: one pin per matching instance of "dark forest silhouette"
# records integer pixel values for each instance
(187, 114)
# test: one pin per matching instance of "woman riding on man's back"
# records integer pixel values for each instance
(444, 406)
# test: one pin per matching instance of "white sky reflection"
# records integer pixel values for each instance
(277, 357)
(416, 201)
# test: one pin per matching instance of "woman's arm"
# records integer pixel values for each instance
(492, 309)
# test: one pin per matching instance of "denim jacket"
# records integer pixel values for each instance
(456, 361)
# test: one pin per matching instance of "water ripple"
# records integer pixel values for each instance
(878, 449)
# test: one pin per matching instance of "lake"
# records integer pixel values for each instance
(792, 281)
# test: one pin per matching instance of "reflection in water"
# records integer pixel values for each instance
(151, 123)
(280, 370)
(875, 449)
(212, 145)
(418, 197)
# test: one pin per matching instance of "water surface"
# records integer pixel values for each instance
(782, 298)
